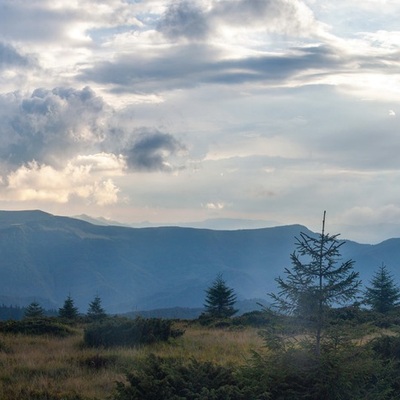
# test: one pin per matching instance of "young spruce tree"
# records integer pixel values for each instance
(34, 310)
(220, 299)
(316, 282)
(68, 311)
(383, 295)
(96, 311)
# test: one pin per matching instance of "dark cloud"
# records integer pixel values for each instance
(53, 126)
(151, 151)
(50, 125)
(10, 57)
(184, 19)
(192, 65)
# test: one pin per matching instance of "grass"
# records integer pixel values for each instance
(50, 368)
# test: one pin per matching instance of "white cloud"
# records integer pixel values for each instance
(44, 183)
(215, 206)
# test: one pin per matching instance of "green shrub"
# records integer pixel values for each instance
(36, 326)
(127, 332)
(349, 372)
(173, 379)
(255, 319)
(387, 347)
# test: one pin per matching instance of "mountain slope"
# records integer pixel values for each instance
(48, 257)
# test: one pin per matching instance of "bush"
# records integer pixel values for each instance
(173, 379)
(255, 319)
(36, 326)
(127, 332)
(387, 347)
(348, 372)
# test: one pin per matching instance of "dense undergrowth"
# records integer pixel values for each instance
(202, 359)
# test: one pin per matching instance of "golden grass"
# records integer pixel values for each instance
(61, 368)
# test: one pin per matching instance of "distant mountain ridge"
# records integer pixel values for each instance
(49, 257)
(211, 223)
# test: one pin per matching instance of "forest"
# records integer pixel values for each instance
(325, 336)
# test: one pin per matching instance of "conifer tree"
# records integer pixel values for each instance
(220, 299)
(68, 311)
(96, 311)
(383, 295)
(316, 282)
(34, 310)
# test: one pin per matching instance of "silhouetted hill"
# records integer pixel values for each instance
(48, 257)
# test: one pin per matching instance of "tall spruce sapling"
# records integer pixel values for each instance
(34, 310)
(384, 294)
(95, 310)
(316, 282)
(68, 310)
(220, 299)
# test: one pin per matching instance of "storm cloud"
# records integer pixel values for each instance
(151, 151)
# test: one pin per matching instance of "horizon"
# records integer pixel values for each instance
(352, 233)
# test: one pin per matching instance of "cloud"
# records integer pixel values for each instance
(193, 65)
(63, 144)
(192, 21)
(9, 57)
(35, 182)
(184, 19)
(151, 151)
(50, 126)
(282, 16)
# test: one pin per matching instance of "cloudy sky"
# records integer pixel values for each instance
(179, 111)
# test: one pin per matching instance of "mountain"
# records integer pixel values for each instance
(211, 223)
(49, 257)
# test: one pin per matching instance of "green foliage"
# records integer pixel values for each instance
(172, 379)
(36, 326)
(346, 372)
(127, 332)
(68, 311)
(383, 295)
(256, 319)
(34, 310)
(220, 299)
(96, 311)
(316, 282)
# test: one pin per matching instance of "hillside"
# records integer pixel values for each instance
(46, 257)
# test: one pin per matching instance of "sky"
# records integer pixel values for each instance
(181, 111)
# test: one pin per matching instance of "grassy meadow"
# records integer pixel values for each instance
(53, 368)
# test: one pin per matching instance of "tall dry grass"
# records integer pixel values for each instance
(62, 368)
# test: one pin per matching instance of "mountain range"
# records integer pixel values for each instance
(46, 258)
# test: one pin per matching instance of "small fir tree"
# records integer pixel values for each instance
(220, 299)
(68, 311)
(316, 282)
(96, 311)
(383, 295)
(34, 310)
